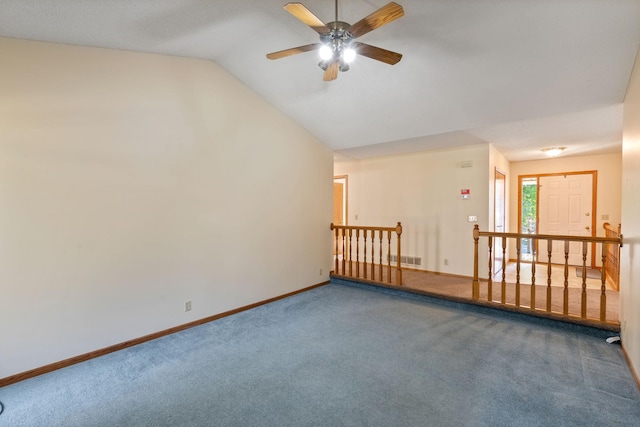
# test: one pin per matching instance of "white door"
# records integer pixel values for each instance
(565, 207)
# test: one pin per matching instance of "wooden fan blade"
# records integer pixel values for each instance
(293, 51)
(377, 53)
(331, 73)
(307, 17)
(384, 15)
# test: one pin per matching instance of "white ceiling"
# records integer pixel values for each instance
(520, 74)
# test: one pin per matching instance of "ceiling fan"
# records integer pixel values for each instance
(337, 47)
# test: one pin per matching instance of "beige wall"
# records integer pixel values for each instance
(609, 196)
(422, 190)
(608, 167)
(131, 183)
(498, 162)
(630, 253)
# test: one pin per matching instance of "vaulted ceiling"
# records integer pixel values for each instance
(519, 74)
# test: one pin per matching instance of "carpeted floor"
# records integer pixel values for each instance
(343, 355)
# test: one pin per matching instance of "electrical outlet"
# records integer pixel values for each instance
(321, 272)
(446, 262)
(187, 306)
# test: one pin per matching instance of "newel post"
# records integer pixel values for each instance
(399, 269)
(476, 284)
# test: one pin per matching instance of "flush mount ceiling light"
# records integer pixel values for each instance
(553, 151)
(337, 47)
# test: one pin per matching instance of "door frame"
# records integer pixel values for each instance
(594, 199)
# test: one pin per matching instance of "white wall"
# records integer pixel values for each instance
(630, 252)
(131, 183)
(422, 191)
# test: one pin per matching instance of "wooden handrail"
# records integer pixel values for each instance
(605, 242)
(344, 245)
(591, 239)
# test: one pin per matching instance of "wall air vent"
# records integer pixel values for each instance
(409, 260)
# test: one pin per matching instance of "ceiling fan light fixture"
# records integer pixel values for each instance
(553, 151)
(337, 47)
(325, 52)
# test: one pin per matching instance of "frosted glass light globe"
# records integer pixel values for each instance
(348, 55)
(325, 52)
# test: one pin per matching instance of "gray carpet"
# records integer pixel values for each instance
(344, 356)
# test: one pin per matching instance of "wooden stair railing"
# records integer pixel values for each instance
(612, 268)
(352, 241)
(586, 241)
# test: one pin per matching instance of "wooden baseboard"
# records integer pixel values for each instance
(101, 352)
(632, 368)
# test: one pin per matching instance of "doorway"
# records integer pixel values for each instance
(558, 204)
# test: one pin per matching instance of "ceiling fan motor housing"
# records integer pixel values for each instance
(338, 39)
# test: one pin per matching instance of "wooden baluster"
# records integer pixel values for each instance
(373, 254)
(380, 264)
(475, 286)
(565, 307)
(583, 308)
(613, 256)
(533, 276)
(389, 255)
(344, 248)
(518, 247)
(605, 246)
(399, 270)
(364, 253)
(549, 251)
(503, 298)
(490, 281)
(337, 233)
(357, 252)
(603, 287)
(350, 254)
